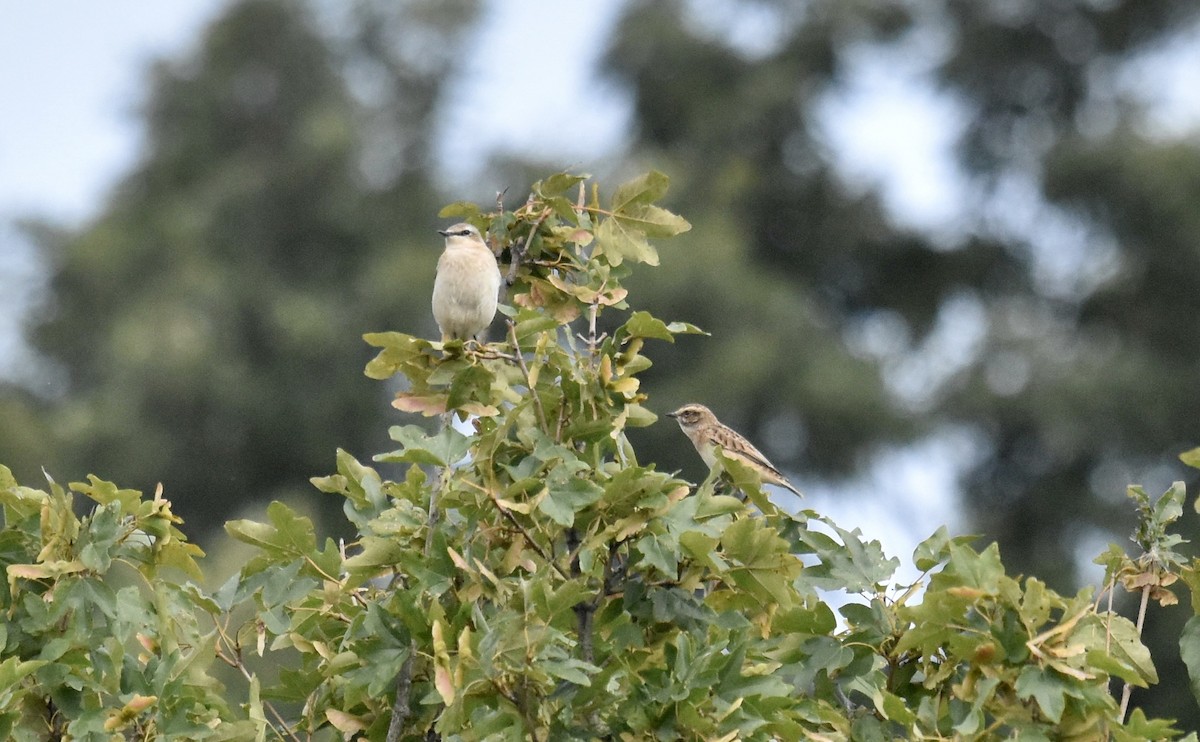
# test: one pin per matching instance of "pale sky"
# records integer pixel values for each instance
(72, 78)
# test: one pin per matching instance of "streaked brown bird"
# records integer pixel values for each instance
(467, 284)
(707, 434)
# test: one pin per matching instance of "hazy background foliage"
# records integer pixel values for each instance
(204, 328)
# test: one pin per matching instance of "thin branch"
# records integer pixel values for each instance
(584, 610)
(401, 709)
(517, 524)
(236, 662)
(562, 420)
(489, 353)
(518, 253)
(592, 340)
(537, 400)
(1112, 588)
(267, 704)
(1141, 619)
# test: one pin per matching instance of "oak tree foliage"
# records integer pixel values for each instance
(529, 575)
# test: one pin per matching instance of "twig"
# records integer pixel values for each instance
(400, 707)
(236, 662)
(537, 400)
(1128, 690)
(517, 524)
(1112, 588)
(517, 254)
(584, 610)
(562, 420)
(592, 339)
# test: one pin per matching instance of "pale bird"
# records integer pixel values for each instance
(467, 284)
(707, 434)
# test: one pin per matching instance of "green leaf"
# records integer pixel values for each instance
(400, 352)
(7, 479)
(968, 568)
(642, 190)
(893, 707)
(561, 503)
(936, 549)
(1191, 577)
(856, 564)
(685, 328)
(376, 553)
(764, 566)
(822, 654)
(1169, 506)
(1191, 458)
(617, 242)
(287, 534)
(1044, 686)
(361, 485)
(1139, 729)
(1124, 646)
(817, 619)
(558, 184)
(530, 322)
(646, 325)
(464, 210)
(105, 492)
(13, 670)
(473, 384)
(659, 554)
(702, 548)
(1189, 650)
(571, 670)
(655, 221)
(444, 449)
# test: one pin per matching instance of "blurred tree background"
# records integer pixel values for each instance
(204, 329)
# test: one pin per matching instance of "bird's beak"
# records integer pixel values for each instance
(672, 414)
(443, 233)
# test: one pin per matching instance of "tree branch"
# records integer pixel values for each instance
(400, 707)
(1141, 619)
(537, 400)
(517, 524)
(519, 253)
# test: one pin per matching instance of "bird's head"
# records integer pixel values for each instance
(692, 416)
(461, 232)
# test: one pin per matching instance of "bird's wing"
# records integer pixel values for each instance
(736, 447)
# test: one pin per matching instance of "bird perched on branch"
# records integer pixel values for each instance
(707, 434)
(467, 284)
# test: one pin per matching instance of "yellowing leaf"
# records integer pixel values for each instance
(523, 508)
(46, 570)
(443, 683)
(345, 723)
(428, 405)
(459, 561)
